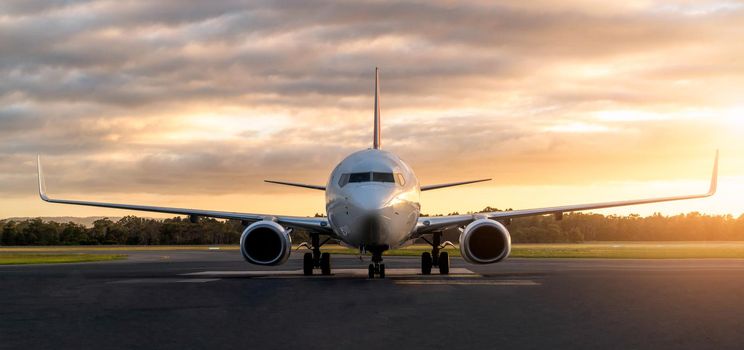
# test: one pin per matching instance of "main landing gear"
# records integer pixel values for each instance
(315, 259)
(376, 267)
(435, 258)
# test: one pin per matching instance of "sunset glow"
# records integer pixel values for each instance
(197, 106)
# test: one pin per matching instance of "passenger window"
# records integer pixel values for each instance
(383, 177)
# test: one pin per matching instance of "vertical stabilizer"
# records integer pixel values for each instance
(377, 141)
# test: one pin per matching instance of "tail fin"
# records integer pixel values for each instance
(377, 144)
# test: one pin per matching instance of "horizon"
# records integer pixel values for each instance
(195, 108)
(173, 216)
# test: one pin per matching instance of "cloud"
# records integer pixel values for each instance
(190, 97)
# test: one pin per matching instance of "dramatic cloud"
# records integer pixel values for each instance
(194, 98)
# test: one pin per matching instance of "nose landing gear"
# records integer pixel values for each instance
(376, 267)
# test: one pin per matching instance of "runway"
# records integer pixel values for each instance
(212, 299)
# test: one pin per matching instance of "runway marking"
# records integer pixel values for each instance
(454, 273)
(242, 273)
(198, 280)
(469, 282)
(164, 280)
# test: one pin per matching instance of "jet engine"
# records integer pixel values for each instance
(485, 241)
(265, 243)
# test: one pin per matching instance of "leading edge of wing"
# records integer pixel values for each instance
(294, 184)
(304, 222)
(603, 205)
(453, 184)
(429, 224)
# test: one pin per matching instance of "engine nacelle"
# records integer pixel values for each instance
(485, 241)
(265, 243)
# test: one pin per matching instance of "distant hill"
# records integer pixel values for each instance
(87, 221)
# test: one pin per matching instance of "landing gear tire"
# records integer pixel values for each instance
(325, 264)
(426, 263)
(378, 270)
(307, 264)
(444, 264)
(377, 267)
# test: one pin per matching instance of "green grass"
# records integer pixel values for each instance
(684, 250)
(25, 259)
(599, 250)
(112, 248)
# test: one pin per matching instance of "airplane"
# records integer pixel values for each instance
(373, 204)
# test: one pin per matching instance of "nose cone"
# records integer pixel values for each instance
(373, 197)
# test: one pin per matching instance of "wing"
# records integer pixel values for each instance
(436, 187)
(312, 187)
(317, 224)
(430, 224)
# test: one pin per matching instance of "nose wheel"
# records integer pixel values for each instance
(376, 268)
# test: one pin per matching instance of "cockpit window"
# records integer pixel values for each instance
(343, 180)
(370, 177)
(359, 177)
(383, 177)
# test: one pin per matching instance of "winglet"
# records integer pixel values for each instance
(714, 179)
(42, 183)
(377, 142)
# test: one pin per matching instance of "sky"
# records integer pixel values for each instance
(194, 103)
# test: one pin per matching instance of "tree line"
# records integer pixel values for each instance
(579, 227)
(573, 228)
(129, 230)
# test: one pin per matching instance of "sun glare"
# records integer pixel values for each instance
(577, 128)
(628, 116)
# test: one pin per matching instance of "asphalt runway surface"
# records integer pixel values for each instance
(212, 299)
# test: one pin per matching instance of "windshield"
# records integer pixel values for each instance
(359, 177)
(371, 177)
(383, 177)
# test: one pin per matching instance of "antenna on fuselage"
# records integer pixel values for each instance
(377, 144)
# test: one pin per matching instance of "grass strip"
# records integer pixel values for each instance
(27, 259)
(598, 250)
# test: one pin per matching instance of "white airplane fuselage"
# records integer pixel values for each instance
(376, 211)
